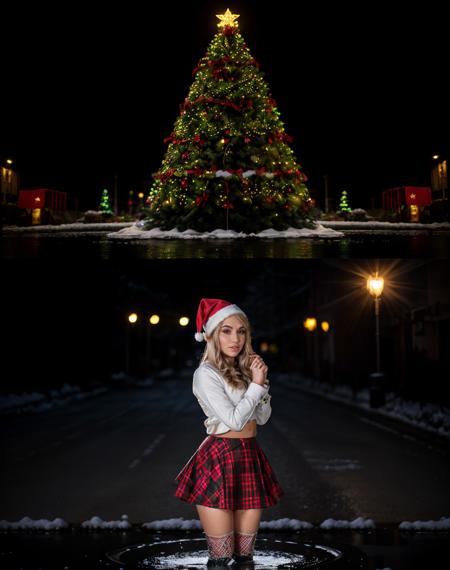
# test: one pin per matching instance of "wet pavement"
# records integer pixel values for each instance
(74, 548)
(95, 246)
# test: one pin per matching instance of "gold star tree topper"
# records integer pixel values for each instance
(227, 19)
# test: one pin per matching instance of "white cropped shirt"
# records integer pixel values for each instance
(229, 408)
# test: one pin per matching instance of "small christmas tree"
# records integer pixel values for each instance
(228, 163)
(105, 203)
(343, 203)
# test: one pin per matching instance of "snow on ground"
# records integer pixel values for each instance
(282, 524)
(427, 416)
(173, 524)
(38, 402)
(358, 524)
(442, 524)
(136, 232)
(97, 523)
(26, 523)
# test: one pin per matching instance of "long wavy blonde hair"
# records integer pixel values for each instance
(238, 375)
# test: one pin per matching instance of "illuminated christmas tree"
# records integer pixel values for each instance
(228, 163)
(343, 203)
(105, 203)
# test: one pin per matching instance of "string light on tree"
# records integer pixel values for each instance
(105, 203)
(343, 203)
(228, 162)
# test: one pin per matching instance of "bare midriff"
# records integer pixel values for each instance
(249, 430)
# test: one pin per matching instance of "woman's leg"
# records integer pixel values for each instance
(218, 527)
(246, 525)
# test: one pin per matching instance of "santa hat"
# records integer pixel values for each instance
(210, 313)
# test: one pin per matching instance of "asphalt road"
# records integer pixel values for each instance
(119, 453)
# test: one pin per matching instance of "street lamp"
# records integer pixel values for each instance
(375, 286)
(328, 331)
(310, 324)
(153, 320)
(132, 319)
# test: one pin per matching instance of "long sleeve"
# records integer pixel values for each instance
(263, 410)
(209, 390)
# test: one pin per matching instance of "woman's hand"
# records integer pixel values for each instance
(258, 369)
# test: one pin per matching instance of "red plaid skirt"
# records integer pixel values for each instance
(228, 473)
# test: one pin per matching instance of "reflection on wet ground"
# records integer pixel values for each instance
(192, 554)
(99, 247)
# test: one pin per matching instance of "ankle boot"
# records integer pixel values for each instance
(244, 544)
(220, 549)
(243, 562)
(218, 562)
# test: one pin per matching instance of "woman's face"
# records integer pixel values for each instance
(232, 335)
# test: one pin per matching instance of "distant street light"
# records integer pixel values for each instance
(329, 333)
(310, 324)
(132, 319)
(152, 321)
(375, 286)
(184, 321)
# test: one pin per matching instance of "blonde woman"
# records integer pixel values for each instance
(229, 477)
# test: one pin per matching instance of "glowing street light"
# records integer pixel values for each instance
(154, 319)
(310, 324)
(132, 319)
(375, 286)
(184, 321)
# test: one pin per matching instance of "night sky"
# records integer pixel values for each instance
(92, 94)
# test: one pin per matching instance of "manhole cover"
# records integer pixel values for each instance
(191, 553)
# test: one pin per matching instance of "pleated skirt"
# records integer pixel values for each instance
(228, 473)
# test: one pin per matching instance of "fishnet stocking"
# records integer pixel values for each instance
(220, 546)
(244, 543)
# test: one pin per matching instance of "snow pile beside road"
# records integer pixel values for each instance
(37, 402)
(26, 523)
(97, 522)
(282, 524)
(173, 524)
(358, 524)
(430, 417)
(442, 524)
